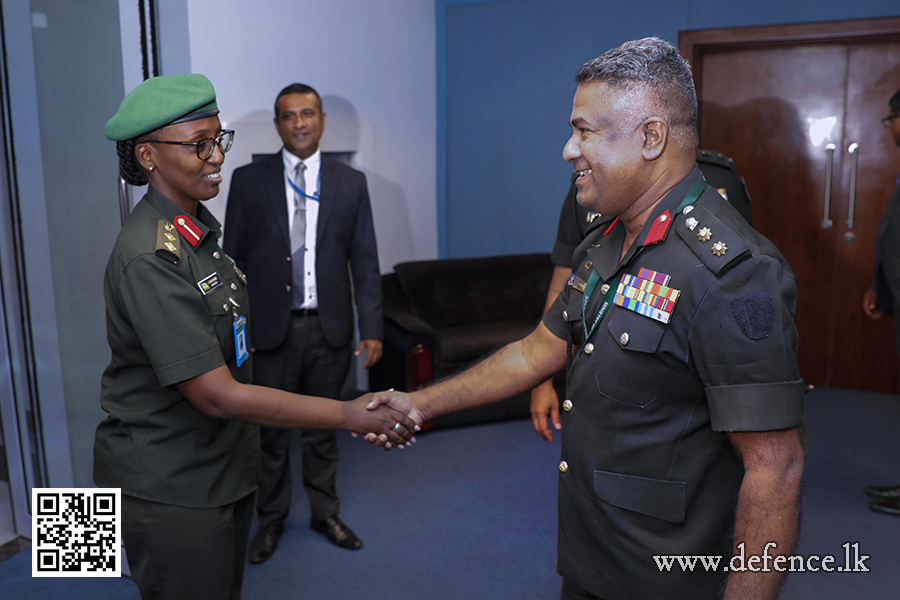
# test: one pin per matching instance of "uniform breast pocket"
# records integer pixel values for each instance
(222, 318)
(630, 370)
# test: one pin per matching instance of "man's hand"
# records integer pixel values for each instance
(372, 348)
(392, 427)
(397, 401)
(544, 401)
(869, 304)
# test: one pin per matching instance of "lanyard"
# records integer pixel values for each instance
(315, 196)
(594, 277)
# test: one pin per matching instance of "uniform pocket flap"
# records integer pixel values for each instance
(657, 498)
(573, 310)
(633, 331)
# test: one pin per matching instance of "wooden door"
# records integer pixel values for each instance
(787, 103)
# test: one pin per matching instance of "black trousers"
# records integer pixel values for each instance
(178, 553)
(304, 364)
(570, 591)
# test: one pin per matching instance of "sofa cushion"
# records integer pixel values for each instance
(472, 342)
(469, 291)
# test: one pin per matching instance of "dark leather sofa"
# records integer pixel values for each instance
(441, 316)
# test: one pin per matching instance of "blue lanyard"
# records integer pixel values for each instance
(594, 277)
(297, 189)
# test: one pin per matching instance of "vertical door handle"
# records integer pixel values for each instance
(829, 164)
(853, 149)
(124, 204)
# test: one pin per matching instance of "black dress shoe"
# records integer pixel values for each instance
(883, 493)
(265, 541)
(891, 507)
(337, 531)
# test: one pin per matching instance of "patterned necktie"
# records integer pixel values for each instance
(298, 237)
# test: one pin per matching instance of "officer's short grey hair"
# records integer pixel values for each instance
(655, 65)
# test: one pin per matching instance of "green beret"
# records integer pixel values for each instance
(161, 101)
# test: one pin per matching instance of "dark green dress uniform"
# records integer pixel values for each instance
(646, 466)
(171, 306)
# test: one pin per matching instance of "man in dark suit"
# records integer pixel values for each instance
(884, 295)
(299, 224)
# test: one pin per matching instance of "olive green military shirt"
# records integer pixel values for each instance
(172, 296)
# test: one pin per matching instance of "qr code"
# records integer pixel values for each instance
(75, 532)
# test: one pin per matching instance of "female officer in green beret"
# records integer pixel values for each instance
(181, 439)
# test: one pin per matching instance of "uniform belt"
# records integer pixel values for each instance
(304, 312)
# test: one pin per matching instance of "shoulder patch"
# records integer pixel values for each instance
(168, 244)
(755, 313)
(714, 242)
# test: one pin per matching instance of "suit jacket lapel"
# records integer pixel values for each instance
(327, 193)
(275, 194)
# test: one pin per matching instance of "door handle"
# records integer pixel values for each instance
(829, 164)
(124, 200)
(853, 149)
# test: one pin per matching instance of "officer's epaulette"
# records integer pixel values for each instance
(716, 158)
(168, 245)
(714, 242)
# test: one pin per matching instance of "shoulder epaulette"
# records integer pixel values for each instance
(714, 242)
(715, 158)
(168, 244)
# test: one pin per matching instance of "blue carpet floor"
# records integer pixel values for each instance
(470, 513)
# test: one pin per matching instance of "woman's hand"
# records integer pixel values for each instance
(390, 426)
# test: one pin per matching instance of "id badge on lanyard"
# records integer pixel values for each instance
(240, 335)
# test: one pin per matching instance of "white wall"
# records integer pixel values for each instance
(373, 62)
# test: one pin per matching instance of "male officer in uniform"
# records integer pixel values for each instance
(884, 295)
(680, 427)
(575, 221)
(299, 224)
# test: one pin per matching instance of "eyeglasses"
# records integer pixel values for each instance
(204, 147)
(886, 122)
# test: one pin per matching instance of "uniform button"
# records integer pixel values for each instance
(623, 339)
(604, 289)
(563, 466)
(289, 259)
(588, 348)
(216, 255)
(567, 406)
(225, 307)
(234, 287)
(565, 315)
(287, 288)
(688, 209)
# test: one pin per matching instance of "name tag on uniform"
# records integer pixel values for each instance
(208, 284)
(576, 282)
(240, 340)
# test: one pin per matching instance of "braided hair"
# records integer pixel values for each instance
(129, 168)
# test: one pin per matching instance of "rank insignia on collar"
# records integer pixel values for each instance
(648, 293)
(592, 216)
(704, 234)
(691, 223)
(719, 248)
(658, 229)
(188, 229)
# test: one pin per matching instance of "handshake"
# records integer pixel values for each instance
(391, 419)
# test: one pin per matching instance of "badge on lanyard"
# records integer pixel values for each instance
(240, 335)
